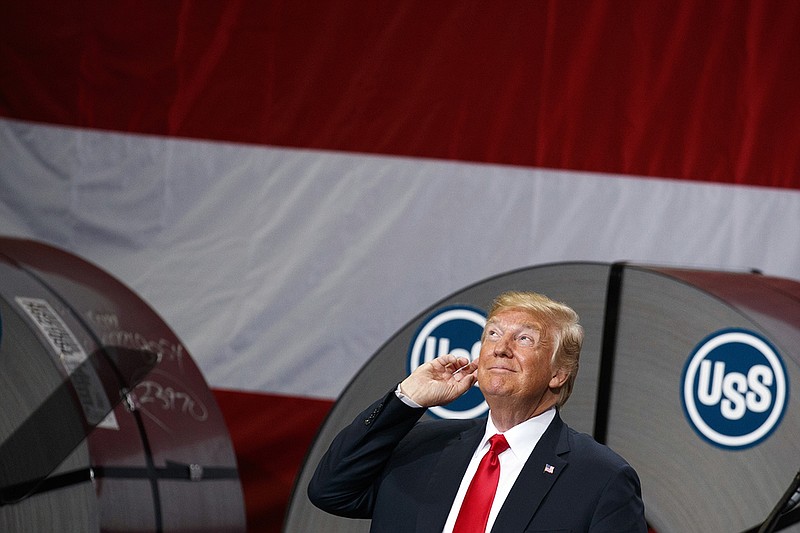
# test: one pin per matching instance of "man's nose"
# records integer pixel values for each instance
(501, 347)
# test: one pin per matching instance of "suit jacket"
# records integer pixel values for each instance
(404, 475)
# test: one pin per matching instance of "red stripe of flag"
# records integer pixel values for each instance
(697, 89)
(271, 435)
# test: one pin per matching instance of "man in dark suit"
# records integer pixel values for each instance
(411, 476)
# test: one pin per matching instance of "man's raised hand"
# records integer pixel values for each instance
(440, 381)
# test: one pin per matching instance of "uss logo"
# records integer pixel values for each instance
(735, 389)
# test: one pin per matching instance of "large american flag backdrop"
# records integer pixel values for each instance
(289, 183)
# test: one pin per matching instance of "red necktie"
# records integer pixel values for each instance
(474, 512)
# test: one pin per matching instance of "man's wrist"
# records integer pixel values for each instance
(405, 398)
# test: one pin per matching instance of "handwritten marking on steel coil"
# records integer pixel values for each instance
(170, 399)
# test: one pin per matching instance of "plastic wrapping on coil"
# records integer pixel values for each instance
(686, 373)
(107, 423)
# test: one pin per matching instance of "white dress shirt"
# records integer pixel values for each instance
(522, 438)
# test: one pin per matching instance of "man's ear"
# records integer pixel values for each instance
(559, 378)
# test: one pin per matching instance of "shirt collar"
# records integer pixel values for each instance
(523, 437)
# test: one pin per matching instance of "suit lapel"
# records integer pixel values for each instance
(540, 472)
(446, 478)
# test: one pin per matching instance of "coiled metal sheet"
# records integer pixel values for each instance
(143, 446)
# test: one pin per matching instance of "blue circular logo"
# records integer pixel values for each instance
(735, 388)
(456, 330)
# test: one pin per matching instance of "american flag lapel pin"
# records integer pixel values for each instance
(549, 469)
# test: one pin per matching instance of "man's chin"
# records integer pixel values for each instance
(495, 388)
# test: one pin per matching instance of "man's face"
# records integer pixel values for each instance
(514, 364)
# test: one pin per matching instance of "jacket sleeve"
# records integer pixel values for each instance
(620, 508)
(347, 478)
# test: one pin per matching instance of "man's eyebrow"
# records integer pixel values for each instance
(532, 327)
(527, 325)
